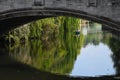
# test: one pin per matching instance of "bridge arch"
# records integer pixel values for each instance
(14, 13)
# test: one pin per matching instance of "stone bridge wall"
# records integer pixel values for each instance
(105, 9)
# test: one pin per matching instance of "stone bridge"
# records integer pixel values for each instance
(14, 13)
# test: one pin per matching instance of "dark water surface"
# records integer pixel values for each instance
(92, 53)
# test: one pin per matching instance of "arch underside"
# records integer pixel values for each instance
(14, 18)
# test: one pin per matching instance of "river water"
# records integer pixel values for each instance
(94, 51)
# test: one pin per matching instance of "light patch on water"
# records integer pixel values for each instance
(94, 61)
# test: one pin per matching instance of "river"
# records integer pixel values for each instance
(93, 52)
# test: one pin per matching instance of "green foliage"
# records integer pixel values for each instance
(57, 47)
(48, 27)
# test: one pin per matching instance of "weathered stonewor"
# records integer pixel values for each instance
(17, 12)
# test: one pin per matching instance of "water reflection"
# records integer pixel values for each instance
(94, 60)
(94, 52)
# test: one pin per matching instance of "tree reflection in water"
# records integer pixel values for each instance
(58, 54)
